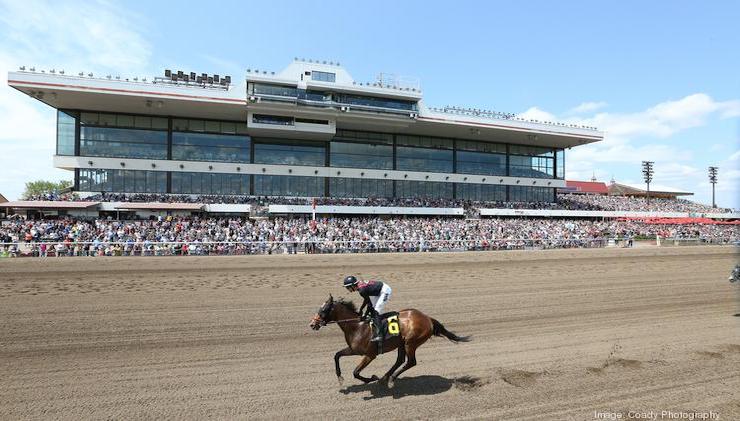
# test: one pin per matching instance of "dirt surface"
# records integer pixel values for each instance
(563, 334)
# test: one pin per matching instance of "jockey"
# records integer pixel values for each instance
(735, 274)
(375, 295)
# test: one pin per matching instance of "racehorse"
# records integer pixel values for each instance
(415, 328)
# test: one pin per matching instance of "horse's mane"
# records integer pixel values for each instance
(348, 304)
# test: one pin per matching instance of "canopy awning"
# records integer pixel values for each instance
(160, 206)
(47, 204)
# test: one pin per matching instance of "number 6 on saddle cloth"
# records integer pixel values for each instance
(389, 325)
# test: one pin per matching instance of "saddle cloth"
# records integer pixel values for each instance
(390, 326)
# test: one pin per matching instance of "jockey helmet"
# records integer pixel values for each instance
(350, 281)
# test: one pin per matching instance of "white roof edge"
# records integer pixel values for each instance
(51, 82)
(656, 188)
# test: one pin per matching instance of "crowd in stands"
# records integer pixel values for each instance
(564, 202)
(628, 203)
(222, 235)
(55, 196)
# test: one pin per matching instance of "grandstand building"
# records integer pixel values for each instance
(310, 130)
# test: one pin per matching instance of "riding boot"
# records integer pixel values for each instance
(377, 334)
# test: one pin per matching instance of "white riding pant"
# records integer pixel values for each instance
(379, 301)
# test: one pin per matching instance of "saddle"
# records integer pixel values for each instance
(389, 326)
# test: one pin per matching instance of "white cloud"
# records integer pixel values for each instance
(535, 113)
(588, 107)
(664, 119)
(85, 36)
(90, 36)
(632, 137)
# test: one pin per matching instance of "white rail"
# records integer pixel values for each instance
(230, 248)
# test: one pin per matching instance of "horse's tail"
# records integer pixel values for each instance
(439, 330)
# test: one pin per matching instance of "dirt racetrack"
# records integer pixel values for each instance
(562, 334)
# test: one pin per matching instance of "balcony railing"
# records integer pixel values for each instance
(497, 115)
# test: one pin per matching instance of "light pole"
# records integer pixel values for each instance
(713, 180)
(647, 174)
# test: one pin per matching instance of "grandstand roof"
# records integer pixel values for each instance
(183, 99)
(3, 199)
(618, 189)
(160, 206)
(586, 187)
(48, 204)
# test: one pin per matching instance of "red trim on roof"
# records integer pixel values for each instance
(87, 88)
(588, 186)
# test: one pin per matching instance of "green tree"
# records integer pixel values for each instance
(41, 187)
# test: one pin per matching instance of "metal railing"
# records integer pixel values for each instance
(237, 248)
(498, 115)
(230, 248)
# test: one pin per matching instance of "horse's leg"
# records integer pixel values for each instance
(363, 363)
(410, 361)
(342, 353)
(401, 358)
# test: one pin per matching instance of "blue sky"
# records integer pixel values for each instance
(661, 78)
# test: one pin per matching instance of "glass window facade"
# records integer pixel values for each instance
(66, 127)
(361, 155)
(123, 120)
(531, 151)
(531, 194)
(275, 151)
(363, 137)
(531, 166)
(423, 159)
(123, 143)
(209, 183)
(275, 90)
(323, 76)
(313, 95)
(425, 142)
(277, 120)
(560, 163)
(210, 147)
(481, 163)
(473, 146)
(312, 121)
(147, 137)
(481, 192)
(360, 187)
(377, 102)
(281, 185)
(531, 161)
(208, 126)
(429, 189)
(128, 181)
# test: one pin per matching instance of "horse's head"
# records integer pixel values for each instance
(323, 315)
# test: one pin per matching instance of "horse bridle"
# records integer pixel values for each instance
(324, 312)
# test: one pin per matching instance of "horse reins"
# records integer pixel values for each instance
(343, 320)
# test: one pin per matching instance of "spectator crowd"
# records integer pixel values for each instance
(564, 202)
(224, 235)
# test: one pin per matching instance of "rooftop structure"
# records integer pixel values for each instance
(618, 189)
(584, 187)
(308, 130)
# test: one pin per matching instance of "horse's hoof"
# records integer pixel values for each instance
(340, 379)
(390, 384)
(374, 378)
